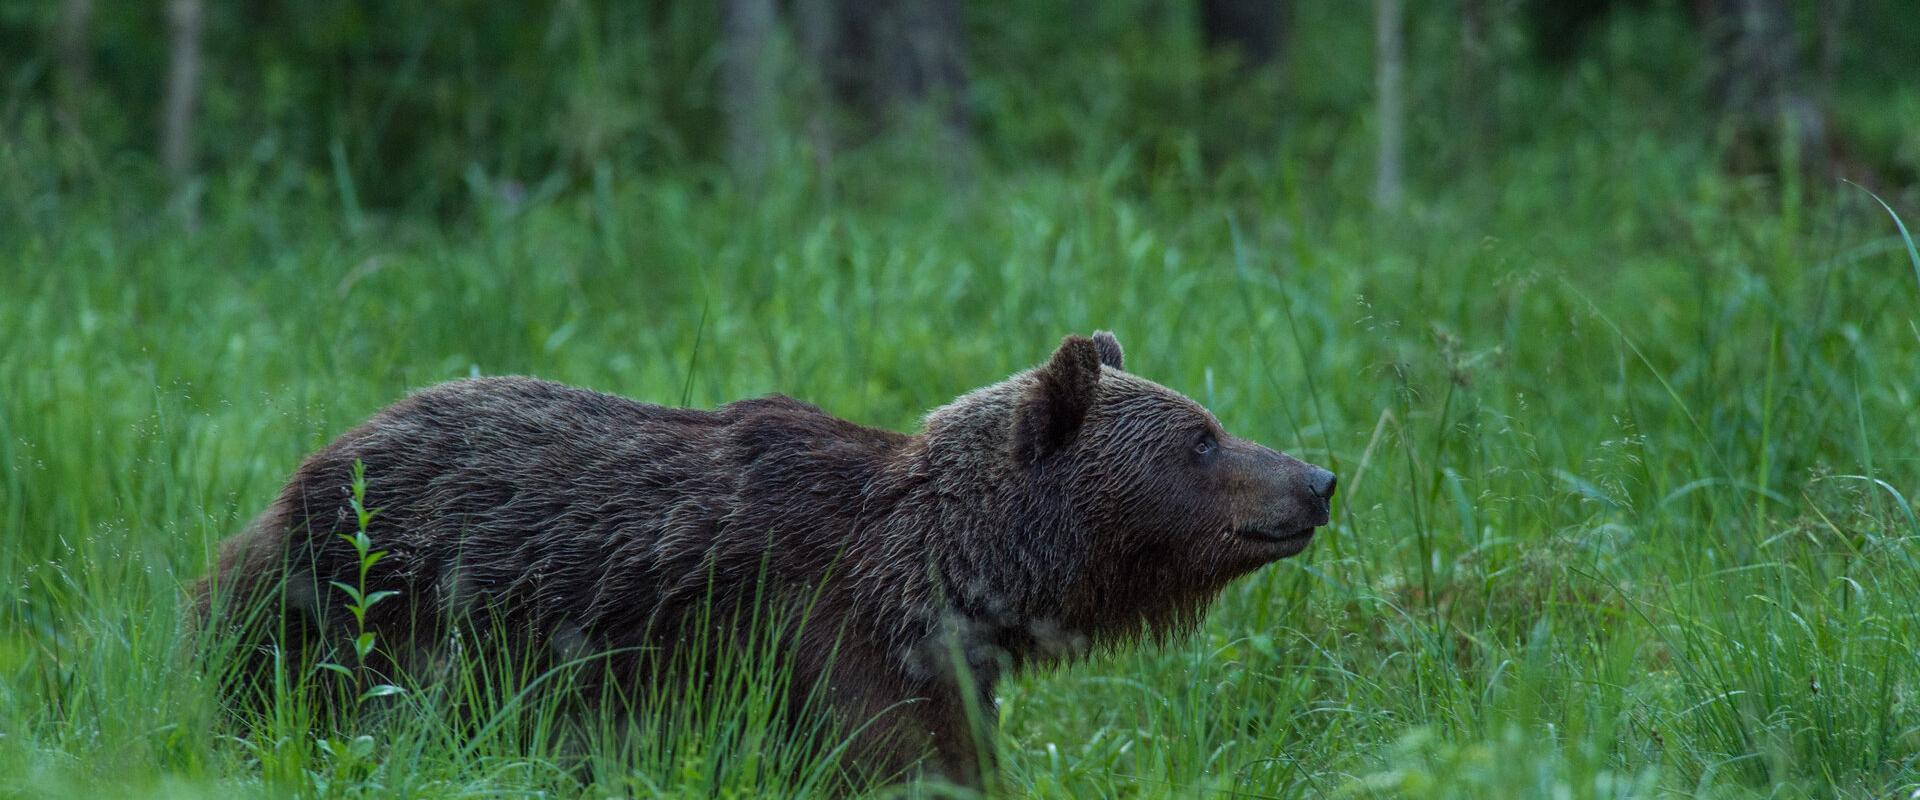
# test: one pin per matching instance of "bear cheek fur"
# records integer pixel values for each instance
(1193, 516)
(1158, 528)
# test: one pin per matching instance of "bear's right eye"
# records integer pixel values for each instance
(1204, 444)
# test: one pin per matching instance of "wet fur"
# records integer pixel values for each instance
(1028, 520)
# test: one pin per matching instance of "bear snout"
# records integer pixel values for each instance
(1292, 521)
(1320, 485)
(1292, 493)
(1322, 482)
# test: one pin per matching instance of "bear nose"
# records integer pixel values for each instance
(1322, 482)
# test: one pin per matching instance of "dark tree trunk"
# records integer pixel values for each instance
(926, 60)
(1476, 79)
(884, 62)
(1833, 23)
(816, 24)
(1757, 82)
(1559, 28)
(1256, 29)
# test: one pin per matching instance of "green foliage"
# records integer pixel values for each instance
(359, 600)
(1626, 443)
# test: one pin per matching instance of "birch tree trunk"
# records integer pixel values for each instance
(186, 22)
(1389, 105)
(75, 45)
(748, 97)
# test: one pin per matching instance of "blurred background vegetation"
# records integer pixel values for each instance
(416, 107)
(1588, 302)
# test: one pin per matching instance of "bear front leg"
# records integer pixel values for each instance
(928, 733)
(896, 726)
(962, 737)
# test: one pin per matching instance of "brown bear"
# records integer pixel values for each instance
(1070, 505)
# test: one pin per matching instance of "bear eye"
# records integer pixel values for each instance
(1204, 444)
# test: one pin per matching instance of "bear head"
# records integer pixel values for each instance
(1128, 498)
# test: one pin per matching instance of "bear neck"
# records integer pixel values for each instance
(1003, 555)
(1005, 552)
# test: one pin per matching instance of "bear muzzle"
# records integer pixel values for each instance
(1290, 499)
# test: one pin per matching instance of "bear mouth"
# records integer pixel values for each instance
(1277, 535)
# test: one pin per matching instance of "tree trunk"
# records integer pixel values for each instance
(889, 61)
(924, 71)
(75, 51)
(1833, 23)
(1389, 106)
(186, 21)
(1476, 79)
(1256, 29)
(1759, 85)
(748, 97)
(816, 25)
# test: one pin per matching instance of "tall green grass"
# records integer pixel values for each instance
(1626, 445)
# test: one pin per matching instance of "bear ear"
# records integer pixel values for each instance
(1110, 354)
(1057, 402)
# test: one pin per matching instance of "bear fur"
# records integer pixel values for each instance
(1071, 505)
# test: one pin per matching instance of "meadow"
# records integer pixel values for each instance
(1627, 445)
